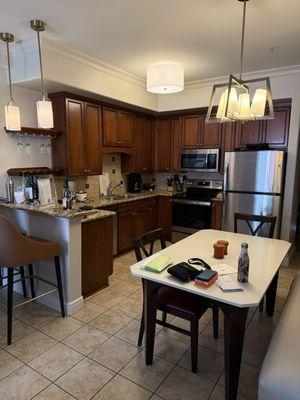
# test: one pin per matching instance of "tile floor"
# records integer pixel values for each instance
(93, 354)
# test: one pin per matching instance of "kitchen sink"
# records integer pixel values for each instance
(119, 196)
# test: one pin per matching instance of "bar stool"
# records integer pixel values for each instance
(18, 250)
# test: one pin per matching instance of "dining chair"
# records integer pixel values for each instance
(18, 250)
(172, 301)
(258, 225)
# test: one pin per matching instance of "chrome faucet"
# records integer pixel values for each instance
(111, 188)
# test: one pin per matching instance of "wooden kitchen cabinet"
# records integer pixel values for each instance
(192, 131)
(117, 128)
(96, 254)
(228, 141)
(153, 210)
(163, 145)
(276, 131)
(77, 151)
(165, 215)
(273, 132)
(176, 143)
(197, 134)
(211, 137)
(133, 222)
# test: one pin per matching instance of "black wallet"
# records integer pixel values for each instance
(183, 271)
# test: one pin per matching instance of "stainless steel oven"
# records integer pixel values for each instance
(192, 211)
(203, 160)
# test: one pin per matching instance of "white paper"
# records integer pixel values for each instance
(45, 191)
(224, 269)
(227, 284)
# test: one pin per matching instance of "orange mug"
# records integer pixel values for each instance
(219, 250)
(224, 243)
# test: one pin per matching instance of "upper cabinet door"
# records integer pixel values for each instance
(149, 144)
(163, 145)
(92, 136)
(176, 143)
(110, 127)
(249, 132)
(277, 130)
(75, 137)
(211, 137)
(125, 129)
(191, 131)
(140, 144)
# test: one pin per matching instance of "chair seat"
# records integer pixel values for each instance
(181, 301)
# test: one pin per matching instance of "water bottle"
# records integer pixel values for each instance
(243, 266)
(10, 190)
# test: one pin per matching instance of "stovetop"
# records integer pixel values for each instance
(202, 190)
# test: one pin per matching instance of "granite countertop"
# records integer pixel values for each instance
(86, 215)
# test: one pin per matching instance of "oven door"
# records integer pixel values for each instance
(190, 216)
(200, 160)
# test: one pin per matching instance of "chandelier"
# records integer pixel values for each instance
(241, 99)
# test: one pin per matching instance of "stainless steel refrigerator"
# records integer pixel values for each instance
(253, 184)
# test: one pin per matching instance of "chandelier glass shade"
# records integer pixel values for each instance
(44, 106)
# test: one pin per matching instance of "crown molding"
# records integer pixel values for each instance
(272, 72)
(90, 62)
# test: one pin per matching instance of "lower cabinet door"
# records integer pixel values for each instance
(140, 221)
(97, 254)
(153, 209)
(125, 231)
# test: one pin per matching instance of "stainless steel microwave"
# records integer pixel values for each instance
(203, 160)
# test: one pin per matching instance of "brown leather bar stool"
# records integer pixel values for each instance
(18, 250)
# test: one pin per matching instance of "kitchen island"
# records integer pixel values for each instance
(66, 228)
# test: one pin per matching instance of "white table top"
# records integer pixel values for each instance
(266, 256)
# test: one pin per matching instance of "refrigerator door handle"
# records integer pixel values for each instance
(226, 172)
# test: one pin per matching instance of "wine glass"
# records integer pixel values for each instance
(43, 148)
(28, 148)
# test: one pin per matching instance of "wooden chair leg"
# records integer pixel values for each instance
(22, 273)
(31, 280)
(215, 311)
(164, 317)
(194, 344)
(261, 305)
(59, 285)
(10, 286)
(142, 330)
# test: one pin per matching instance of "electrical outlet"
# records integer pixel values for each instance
(113, 159)
(87, 185)
(113, 171)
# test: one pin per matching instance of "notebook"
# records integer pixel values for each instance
(227, 284)
(158, 263)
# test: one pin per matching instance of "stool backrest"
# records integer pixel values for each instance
(148, 239)
(262, 222)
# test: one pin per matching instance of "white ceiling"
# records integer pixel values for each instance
(204, 35)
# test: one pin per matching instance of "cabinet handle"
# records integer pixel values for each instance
(144, 168)
(135, 213)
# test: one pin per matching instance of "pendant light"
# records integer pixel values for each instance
(235, 101)
(44, 106)
(165, 77)
(12, 111)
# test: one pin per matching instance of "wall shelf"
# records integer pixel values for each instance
(31, 171)
(38, 132)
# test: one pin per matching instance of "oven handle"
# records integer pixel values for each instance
(192, 202)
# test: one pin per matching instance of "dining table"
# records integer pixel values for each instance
(265, 255)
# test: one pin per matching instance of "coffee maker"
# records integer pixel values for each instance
(134, 183)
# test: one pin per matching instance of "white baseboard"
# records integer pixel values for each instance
(53, 302)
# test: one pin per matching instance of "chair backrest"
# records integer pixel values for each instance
(148, 239)
(262, 220)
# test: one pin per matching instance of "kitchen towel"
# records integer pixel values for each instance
(104, 183)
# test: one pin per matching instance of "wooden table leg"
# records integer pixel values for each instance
(234, 324)
(271, 296)
(150, 308)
